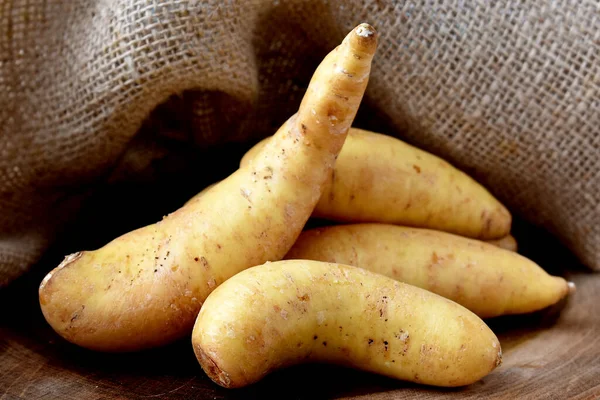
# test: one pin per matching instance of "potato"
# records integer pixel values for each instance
(202, 193)
(486, 279)
(289, 312)
(145, 288)
(378, 178)
(507, 242)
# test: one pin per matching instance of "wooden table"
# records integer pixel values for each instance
(553, 354)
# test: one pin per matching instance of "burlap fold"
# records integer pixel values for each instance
(508, 91)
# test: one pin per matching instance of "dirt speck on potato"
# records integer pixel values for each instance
(304, 297)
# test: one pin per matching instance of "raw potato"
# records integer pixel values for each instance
(289, 312)
(202, 193)
(378, 178)
(507, 242)
(486, 279)
(145, 288)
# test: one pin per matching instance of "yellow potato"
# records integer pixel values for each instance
(202, 193)
(289, 312)
(507, 242)
(146, 287)
(487, 280)
(378, 178)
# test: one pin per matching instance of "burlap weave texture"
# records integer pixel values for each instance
(508, 91)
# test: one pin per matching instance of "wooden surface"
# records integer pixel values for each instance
(553, 354)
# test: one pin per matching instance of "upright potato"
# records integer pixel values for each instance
(146, 287)
(289, 312)
(486, 279)
(378, 178)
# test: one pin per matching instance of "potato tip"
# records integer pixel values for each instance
(365, 30)
(572, 287)
(365, 37)
(498, 361)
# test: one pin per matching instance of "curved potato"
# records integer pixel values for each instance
(378, 178)
(200, 194)
(290, 312)
(145, 288)
(486, 279)
(507, 242)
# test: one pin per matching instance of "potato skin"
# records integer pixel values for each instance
(296, 311)
(145, 288)
(486, 279)
(378, 178)
(507, 242)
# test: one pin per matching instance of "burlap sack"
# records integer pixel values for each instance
(509, 91)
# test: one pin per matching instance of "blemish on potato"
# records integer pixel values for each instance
(488, 225)
(498, 360)
(331, 192)
(417, 168)
(321, 317)
(269, 173)
(304, 297)
(204, 262)
(76, 315)
(288, 276)
(246, 194)
(402, 335)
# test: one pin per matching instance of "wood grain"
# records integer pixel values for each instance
(553, 354)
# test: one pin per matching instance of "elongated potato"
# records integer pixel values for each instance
(146, 287)
(378, 178)
(487, 280)
(202, 193)
(289, 312)
(507, 242)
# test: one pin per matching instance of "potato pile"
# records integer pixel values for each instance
(399, 289)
